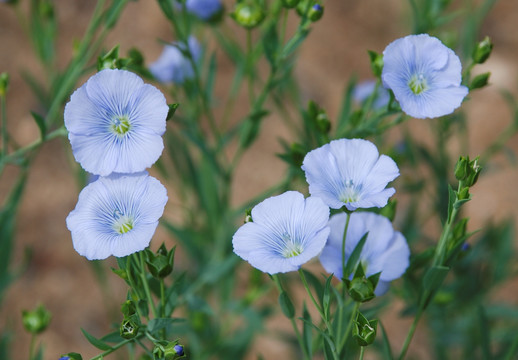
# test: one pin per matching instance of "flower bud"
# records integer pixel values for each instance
(128, 308)
(376, 63)
(37, 320)
(248, 15)
(364, 331)
(248, 216)
(161, 264)
(461, 168)
(290, 3)
(479, 81)
(323, 123)
(129, 327)
(474, 172)
(71, 356)
(361, 288)
(316, 12)
(463, 194)
(482, 51)
(4, 83)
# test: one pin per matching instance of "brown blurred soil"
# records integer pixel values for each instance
(336, 49)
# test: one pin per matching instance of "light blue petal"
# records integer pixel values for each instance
(139, 197)
(204, 9)
(278, 223)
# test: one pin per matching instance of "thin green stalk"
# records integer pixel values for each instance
(32, 345)
(249, 65)
(278, 284)
(343, 338)
(20, 152)
(285, 13)
(362, 350)
(142, 274)
(162, 305)
(4, 124)
(410, 334)
(346, 227)
(114, 347)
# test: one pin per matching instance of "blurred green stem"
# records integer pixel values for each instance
(4, 125)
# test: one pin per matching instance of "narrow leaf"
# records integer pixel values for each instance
(99, 344)
(355, 256)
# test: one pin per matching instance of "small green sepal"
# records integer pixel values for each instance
(482, 51)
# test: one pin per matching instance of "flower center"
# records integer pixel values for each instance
(291, 248)
(120, 125)
(123, 223)
(418, 84)
(350, 192)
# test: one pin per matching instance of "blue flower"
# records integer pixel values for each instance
(116, 215)
(424, 75)
(115, 123)
(286, 231)
(204, 9)
(364, 90)
(385, 250)
(173, 66)
(350, 172)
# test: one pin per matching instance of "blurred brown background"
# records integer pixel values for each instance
(64, 282)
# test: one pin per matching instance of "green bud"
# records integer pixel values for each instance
(316, 12)
(290, 3)
(297, 154)
(462, 168)
(361, 288)
(376, 62)
(463, 194)
(161, 264)
(323, 123)
(479, 81)
(474, 172)
(4, 83)
(129, 327)
(168, 350)
(37, 320)
(128, 308)
(482, 51)
(108, 60)
(71, 356)
(364, 331)
(248, 15)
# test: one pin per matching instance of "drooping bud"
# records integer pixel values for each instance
(482, 51)
(37, 320)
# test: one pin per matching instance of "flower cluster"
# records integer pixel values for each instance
(286, 231)
(115, 124)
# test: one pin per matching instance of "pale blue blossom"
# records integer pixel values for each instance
(364, 90)
(350, 172)
(385, 250)
(286, 231)
(204, 9)
(116, 215)
(173, 65)
(424, 75)
(115, 123)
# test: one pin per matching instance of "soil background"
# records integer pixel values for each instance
(336, 49)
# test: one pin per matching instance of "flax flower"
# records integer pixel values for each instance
(115, 123)
(350, 172)
(424, 75)
(116, 215)
(286, 231)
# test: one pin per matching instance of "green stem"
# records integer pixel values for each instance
(114, 347)
(249, 65)
(162, 305)
(32, 345)
(143, 277)
(410, 334)
(4, 124)
(362, 351)
(277, 282)
(349, 326)
(346, 227)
